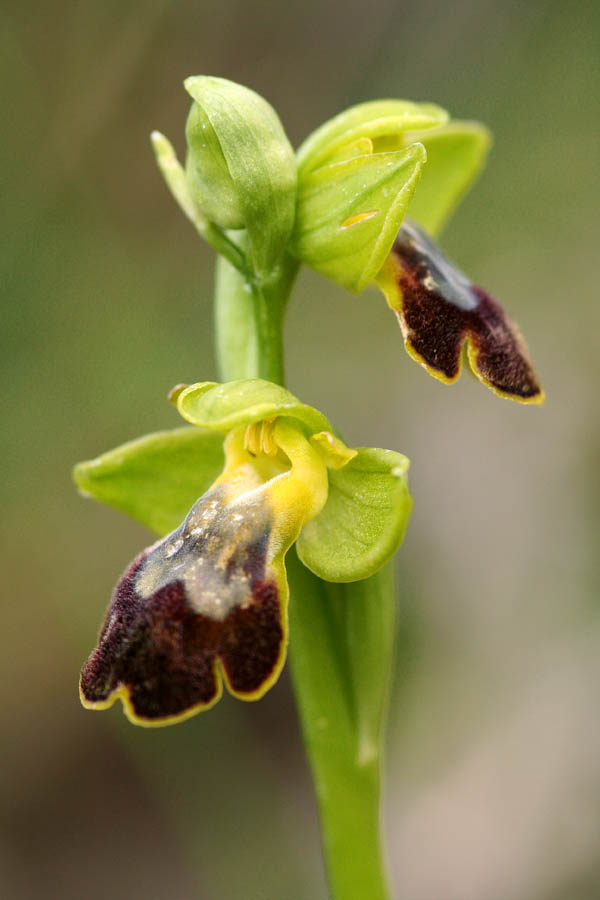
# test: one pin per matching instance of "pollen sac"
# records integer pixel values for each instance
(201, 602)
(439, 310)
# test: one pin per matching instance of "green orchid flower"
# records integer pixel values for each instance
(358, 176)
(207, 603)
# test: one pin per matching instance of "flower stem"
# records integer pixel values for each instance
(341, 634)
(249, 321)
(341, 652)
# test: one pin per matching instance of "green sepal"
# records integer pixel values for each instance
(349, 213)
(382, 122)
(456, 154)
(241, 167)
(364, 520)
(155, 479)
(225, 406)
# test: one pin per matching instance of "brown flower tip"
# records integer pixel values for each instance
(439, 310)
(200, 603)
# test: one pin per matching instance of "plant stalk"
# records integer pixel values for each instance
(341, 645)
(249, 321)
(341, 635)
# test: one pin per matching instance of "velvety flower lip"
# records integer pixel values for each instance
(202, 596)
(439, 310)
(209, 601)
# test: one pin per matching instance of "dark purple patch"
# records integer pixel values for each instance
(253, 641)
(164, 653)
(440, 310)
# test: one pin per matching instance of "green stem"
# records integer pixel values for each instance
(249, 321)
(341, 634)
(341, 652)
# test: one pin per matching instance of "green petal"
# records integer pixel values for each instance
(157, 478)
(456, 154)
(375, 120)
(364, 520)
(349, 213)
(225, 406)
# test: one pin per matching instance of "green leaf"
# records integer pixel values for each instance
(349, 213)
(241, 167)
(364, 520)
(156, 478)
(381, 122)
(456, 154)
(341, 651)
(225, 406)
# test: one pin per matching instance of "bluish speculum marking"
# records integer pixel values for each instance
(214, 554)
(438, 273)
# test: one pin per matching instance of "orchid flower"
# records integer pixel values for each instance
(207, 603)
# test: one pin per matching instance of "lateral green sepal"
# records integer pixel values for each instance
(225, 406)
(157, 478)
(364, 520)
(349, 213)
(456, 153)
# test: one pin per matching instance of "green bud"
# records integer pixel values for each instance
(372, 127)
(349, 213)
(241, 169)
(209, 180)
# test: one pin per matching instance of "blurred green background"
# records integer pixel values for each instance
(493, 762)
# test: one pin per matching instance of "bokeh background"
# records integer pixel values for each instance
(493, 760)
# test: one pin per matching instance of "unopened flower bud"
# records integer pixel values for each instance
(240, 168)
